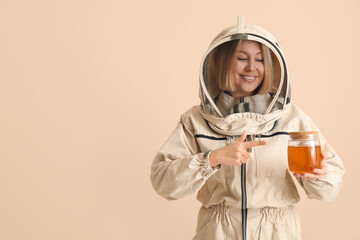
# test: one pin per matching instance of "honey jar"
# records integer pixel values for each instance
(304, 152)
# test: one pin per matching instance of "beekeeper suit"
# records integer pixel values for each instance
(182, 165)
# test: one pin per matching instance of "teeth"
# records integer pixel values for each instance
(249, 78)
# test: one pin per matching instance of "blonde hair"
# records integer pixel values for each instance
(220, 63)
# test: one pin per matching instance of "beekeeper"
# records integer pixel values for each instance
(244, 117)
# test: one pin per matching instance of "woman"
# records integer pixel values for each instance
(244, 117)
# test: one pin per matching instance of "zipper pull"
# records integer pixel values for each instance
(249, 138)
(228, 140)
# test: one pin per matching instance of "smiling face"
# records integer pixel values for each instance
(248, 69)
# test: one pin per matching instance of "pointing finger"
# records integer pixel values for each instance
(254, 144)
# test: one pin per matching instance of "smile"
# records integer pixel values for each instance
(248, 78)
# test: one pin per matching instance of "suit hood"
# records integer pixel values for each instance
(278, 101)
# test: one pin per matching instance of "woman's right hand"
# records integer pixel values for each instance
(234, 153)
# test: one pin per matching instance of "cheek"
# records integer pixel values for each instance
(237, 67)
(261, 70)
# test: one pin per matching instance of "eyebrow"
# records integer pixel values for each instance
(246, 52)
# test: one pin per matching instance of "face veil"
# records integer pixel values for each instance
(222, 47)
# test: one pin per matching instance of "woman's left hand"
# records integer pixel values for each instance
(319, 172)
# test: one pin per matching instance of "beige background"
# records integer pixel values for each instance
(90, 90)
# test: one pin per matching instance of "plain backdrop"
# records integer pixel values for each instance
(91, 89)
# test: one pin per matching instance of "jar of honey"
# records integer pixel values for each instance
(304, 152)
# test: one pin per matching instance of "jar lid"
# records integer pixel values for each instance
(304, 135)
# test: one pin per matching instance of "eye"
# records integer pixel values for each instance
(260, 60)
(241, 59)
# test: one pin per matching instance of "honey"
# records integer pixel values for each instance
(304, 152)
(304, 159)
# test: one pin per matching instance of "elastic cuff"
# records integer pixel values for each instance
(206, 169)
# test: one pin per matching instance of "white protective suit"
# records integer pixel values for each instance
(182, 166)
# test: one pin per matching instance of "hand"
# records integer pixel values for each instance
(234, 153)
(319, 172)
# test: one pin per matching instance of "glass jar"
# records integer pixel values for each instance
(304, 152)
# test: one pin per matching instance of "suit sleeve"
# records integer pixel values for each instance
(180, 169)
(327, 187)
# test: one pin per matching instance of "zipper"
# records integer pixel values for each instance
(271, 135)
(209, 137)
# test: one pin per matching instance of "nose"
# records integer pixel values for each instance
(250, 66)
